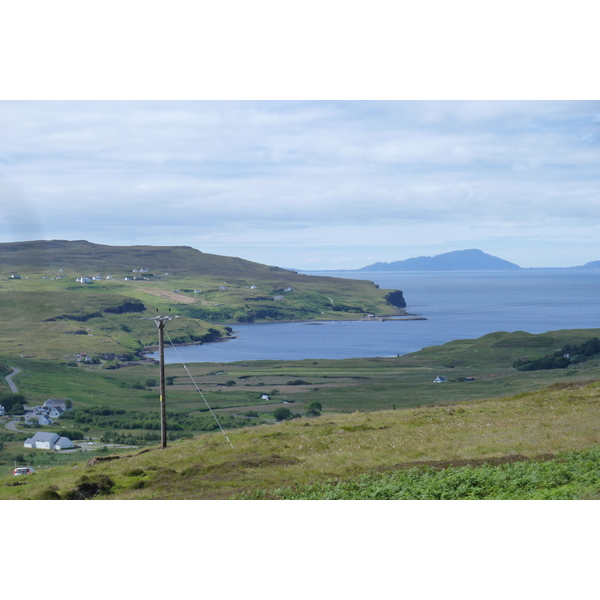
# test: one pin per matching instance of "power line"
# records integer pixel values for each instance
(199, 391)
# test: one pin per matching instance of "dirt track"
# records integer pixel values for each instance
(179, 298)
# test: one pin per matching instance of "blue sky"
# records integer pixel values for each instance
(308, 184)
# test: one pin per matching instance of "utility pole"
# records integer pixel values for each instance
(160, 323)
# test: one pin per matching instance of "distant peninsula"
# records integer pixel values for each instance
(459, 260)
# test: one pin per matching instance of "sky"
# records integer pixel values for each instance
(311, 138)
(311, 185)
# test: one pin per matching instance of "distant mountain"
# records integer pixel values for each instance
(595, 264)
(459, 260)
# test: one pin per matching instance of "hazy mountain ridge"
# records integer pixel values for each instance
(458, 260)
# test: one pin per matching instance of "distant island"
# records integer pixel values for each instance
(459, 260)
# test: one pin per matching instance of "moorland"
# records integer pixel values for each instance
(356, 428)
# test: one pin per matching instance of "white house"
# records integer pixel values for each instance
(56, 412)
(43, 440)
(48, 441)
(2, 411)
(63, 442)
(60, 404)
(41, 419)
(440, 379)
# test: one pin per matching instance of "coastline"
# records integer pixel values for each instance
(401, 315)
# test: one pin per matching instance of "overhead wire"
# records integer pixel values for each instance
(199, 390)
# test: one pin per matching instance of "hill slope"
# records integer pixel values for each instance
(459, 260)
(558, 419)
(42, 283)
(83, 257)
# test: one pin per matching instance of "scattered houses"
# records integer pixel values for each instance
(43, 415)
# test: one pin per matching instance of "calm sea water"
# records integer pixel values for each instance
(457, 305)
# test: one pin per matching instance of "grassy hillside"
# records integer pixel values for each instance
(44, 304)
(272, 461)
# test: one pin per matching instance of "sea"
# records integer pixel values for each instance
(454, 305)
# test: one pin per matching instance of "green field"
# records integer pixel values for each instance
(377, 413)
(278, 461)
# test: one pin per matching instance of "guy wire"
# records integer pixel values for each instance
(199, 390)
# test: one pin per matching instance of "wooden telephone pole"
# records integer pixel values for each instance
(160, 323)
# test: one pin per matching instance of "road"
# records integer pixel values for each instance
(11, 383)
(12, 425)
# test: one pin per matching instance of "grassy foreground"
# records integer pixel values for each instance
(279, 461)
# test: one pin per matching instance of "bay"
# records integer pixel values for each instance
(456, 305)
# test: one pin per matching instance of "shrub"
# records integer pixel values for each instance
(313, 409)
(95, 484)
(48, 494)
(282, 414)
(135, 473)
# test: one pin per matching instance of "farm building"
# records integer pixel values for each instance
(48, 441)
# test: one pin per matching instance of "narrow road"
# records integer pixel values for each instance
(12, 425)
(11, 384)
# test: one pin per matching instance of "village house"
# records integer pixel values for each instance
(44, 440)
(43, 415)
(60, 404)
(39, 418)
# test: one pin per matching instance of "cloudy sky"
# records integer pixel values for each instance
(308, 184)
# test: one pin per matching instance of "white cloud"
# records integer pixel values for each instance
(250, 174)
